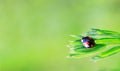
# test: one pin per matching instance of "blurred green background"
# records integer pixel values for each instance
(34, 33)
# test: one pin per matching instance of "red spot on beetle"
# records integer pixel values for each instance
(87, 43)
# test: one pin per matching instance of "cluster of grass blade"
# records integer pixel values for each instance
(103, 38)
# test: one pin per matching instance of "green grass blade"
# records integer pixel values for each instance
(79, 53)
(77, 36)
(108, 53)
(97, 33)
(108, 41)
